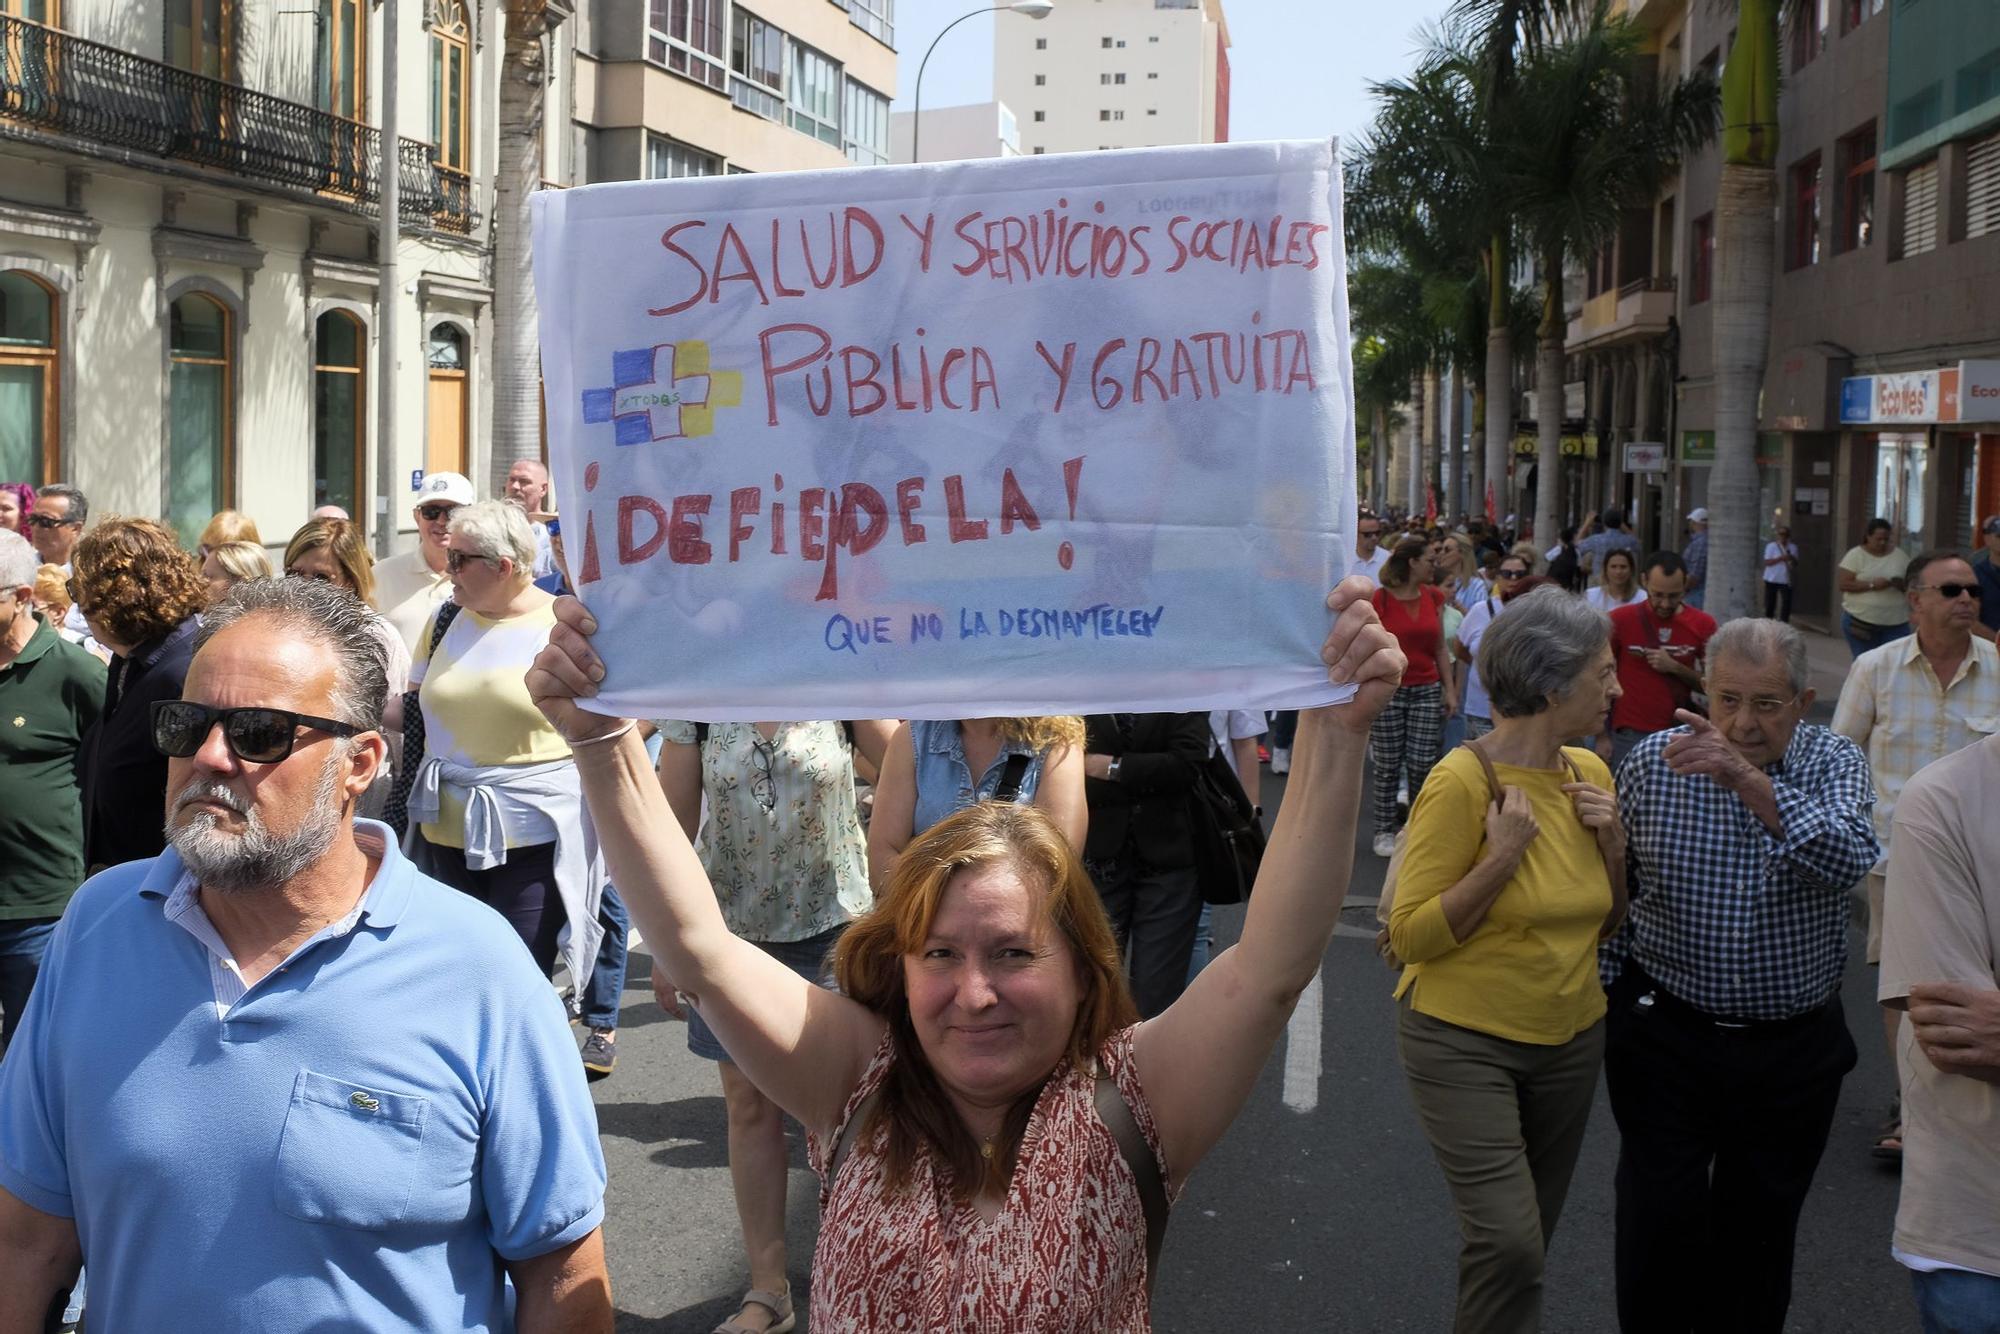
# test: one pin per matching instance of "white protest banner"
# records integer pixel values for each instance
(1044, 435)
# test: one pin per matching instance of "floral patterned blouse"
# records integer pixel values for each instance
(1067, 1250)
(783, 844)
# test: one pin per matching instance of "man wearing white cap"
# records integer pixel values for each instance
(409, 588)
(1695, 557)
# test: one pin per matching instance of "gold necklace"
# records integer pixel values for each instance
(986, 1148)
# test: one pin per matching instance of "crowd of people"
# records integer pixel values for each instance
(325, 856)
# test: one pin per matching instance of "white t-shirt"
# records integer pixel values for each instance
(1369, 565)
(408, 593)
(1780, 573)
(1470, 631)
(1229, 725)
(1603, 601)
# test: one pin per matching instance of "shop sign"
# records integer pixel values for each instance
(1979, 391)
(1573, 446)
(1901, 397)
(1645, 456)
(1699, 447)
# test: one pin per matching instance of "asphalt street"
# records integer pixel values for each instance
(1322, 1209)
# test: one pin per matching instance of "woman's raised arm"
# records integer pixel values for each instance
(804, 1046)
(1200, 1059)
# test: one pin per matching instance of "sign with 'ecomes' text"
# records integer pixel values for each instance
(1044, 435)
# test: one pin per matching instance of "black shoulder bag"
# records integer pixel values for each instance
(397, 813)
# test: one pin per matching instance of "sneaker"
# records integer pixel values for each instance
(1281, 759)
(1385, 845)
(600, 1055)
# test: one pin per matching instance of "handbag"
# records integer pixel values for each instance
(397, 813)
(1228, 838)
(1390, 876)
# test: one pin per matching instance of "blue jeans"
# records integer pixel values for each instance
(1455, 731)
(1204, 943)
(1860, 644)
(22, 944)
(1953, 1301)
(600, 999)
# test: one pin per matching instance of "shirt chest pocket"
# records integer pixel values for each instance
(1985, 724)
(349, 1155)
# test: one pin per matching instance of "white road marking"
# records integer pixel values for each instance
(1302, 1035)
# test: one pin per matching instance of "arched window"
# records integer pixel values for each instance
(339, 433)
(28, 447)
(446, 448)
(451, 74)
(199, 411)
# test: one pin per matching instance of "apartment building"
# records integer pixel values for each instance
(956, 133)
(668, 88)
(1116, 74)
(189, 289)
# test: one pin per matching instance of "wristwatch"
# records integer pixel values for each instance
(1111, 769)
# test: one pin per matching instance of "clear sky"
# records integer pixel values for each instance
(1298, 68)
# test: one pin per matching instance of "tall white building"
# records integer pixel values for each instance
(1116, 74)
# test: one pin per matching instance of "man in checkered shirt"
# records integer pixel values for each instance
(1725, 1041)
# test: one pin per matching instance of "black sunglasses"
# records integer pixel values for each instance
(48, 521)
(432, 513)
(1513, 574)
(1949, 591)
(259, 736)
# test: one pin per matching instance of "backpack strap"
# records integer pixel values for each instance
(1011, 777)
(1486, 767)
(1116, 1114)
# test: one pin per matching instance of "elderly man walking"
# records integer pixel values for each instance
(51, 691)
(274, 1078)
(1726, 1044)
(1941, 963)
(1913, 701)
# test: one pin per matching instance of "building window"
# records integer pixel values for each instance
(339, 436)
(670, 160)
(688, 37)
(1982, 187)
(757, 66)
(1802, 242)
(1809, 37)
(814, 94)
(867, 125)
(1857, 190)
(199, 399)
(1038, 150)
(877, 18)
(1920, 209)
(1041, 80)
(1104, 42)
(198, 33)
(1154, 40)
(1152, 111)
(1118, 78)
(1854, 13)
(1701, 258)
(1118, 115)
(1103, 114)
(28, 449)
(1152, 74)
(1121, 43)
(451, 66)
(1041, 116)
(446, 443)
(1104, 79)
(341, 59)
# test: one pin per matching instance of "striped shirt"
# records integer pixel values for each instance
(1894, 708)
(1727, 916)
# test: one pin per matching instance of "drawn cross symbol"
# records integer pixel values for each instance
(646, 398)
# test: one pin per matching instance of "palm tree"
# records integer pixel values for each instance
(1745, 257)
(1586, 138)
(1385, 298)
(517, 377)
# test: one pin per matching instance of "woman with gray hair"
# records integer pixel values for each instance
(495, 809)
(1515, 869)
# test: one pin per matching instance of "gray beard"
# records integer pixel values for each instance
(255, 859)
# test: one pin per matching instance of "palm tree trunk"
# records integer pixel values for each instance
(1475, 451)
(1499, 382)
(1379, 455)
(1745, 254)
(1452, 500)
(517, 377)
(1433, 454)
(1549, 404)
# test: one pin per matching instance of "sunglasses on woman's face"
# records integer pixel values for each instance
(1506, 573)
(255, 735)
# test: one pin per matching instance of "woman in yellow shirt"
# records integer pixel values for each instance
(1498, 910)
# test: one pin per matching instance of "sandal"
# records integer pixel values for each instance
(779, 1304)
(1889, 1144)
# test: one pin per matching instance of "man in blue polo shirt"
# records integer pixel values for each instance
(275, 1079)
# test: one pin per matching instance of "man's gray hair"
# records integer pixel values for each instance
(498, 531)
(1545, 640)
(347, 626)
(18, 561)
(1760, 642)
(79, 504)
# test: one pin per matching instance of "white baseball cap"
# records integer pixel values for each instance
(450, 487)
(1698, 514)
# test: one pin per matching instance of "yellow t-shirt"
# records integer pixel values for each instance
(477, 711)
(1529, 971)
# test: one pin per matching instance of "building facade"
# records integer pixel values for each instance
(956, 134)
(189, 287)
(1116, 74)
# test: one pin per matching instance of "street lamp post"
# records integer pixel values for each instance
(1034, 9)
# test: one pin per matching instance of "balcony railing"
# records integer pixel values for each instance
(55, 81)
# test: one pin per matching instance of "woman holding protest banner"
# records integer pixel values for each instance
(928, 771)
(784, 851)
(997, 1139)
